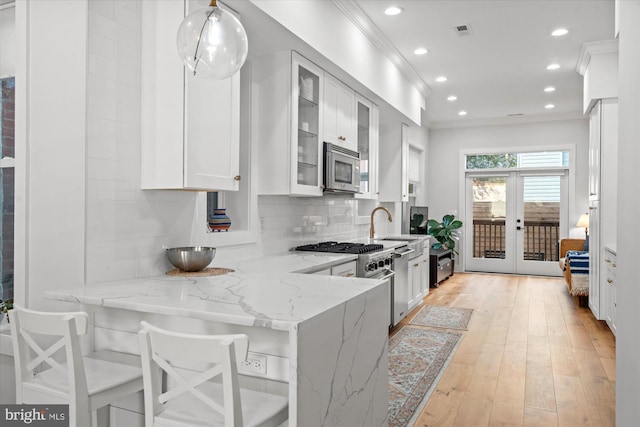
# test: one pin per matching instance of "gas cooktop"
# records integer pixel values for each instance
(342, 248)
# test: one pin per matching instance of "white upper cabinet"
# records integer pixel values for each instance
(190, 126)
(393, 182)
(289, 113)
(339, 114)
(368, 135)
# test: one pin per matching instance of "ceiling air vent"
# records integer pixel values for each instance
(463, 30)
(515, 115)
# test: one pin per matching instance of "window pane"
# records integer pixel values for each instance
(541, 217)
(489, 214)
(6, 252)
(542, 159)
(539, 159)
(492, 161)
(7, 187)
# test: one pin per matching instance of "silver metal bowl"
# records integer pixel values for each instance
(191, 258)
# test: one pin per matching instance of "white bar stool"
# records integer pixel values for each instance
(194, 400)
(86, 383)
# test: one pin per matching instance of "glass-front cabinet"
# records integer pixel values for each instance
(367, 120)
(306, 142)
(288, 116)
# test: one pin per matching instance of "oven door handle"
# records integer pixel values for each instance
(386, 276)
(404, 252)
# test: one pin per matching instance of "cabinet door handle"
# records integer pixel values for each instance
(416, 265)
(609, 281)
(613, 265)
(348, 275)
(342, 138)
(236, 178)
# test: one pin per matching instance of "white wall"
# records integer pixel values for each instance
(127, 227)
(445, 146)
(628, 291)
(325, 28)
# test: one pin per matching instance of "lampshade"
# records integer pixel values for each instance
(583, 221)
(212, 42)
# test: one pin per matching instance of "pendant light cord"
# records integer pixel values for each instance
(214, 5)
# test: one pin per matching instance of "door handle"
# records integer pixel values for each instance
(518, 228)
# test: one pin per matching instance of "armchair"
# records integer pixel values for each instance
(578, 279)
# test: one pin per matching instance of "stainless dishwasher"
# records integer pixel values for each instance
(400, 283)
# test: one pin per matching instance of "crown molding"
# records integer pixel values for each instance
(506, 121)
(594, 48)
(362, 21)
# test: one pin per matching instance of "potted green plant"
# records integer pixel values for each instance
(5, 306)
(445, 232)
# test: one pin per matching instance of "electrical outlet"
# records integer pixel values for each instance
(255, 363)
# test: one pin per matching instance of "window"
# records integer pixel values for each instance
(7, 187)
(7, 146)
(541, 159)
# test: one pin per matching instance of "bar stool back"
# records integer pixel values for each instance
(193, 399)
(86, 383)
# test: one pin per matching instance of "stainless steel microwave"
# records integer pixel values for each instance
(341, 169)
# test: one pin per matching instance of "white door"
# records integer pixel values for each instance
(514, 221)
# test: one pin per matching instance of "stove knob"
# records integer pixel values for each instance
(372, 266)
(381, 263)
(387, 261)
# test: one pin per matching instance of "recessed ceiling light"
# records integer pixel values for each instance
(559, 32)
(452, 98)
(441, 79)
(462, 113)
(549, 106)
(553, 66)
(393, 10)
(420, 51)
(549, 89)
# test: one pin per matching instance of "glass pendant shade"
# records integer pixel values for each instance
(212, 43)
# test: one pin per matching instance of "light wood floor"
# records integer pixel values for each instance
(531, 357)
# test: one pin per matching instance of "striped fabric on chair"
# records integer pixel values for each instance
(578, 262)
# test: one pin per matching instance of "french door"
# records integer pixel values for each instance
(514, 220)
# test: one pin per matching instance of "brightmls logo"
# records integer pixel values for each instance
(35, 415)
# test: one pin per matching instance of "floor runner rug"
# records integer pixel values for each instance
(443, 317)
(417, 359)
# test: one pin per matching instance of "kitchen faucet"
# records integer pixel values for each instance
(372, 230)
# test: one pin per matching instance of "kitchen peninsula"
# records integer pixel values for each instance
(325, 336)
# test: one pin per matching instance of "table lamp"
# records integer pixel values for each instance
(583, 221)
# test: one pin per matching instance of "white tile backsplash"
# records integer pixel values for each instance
(127, 228)
(286, 222)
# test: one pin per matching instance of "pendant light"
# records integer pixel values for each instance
(212, 42)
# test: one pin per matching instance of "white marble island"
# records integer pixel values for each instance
(324, 336)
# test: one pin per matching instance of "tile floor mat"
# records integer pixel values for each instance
(443, 317)
(417, 359)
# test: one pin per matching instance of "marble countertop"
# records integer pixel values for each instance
(261, 292)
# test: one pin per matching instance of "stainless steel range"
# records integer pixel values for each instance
(374, 262)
